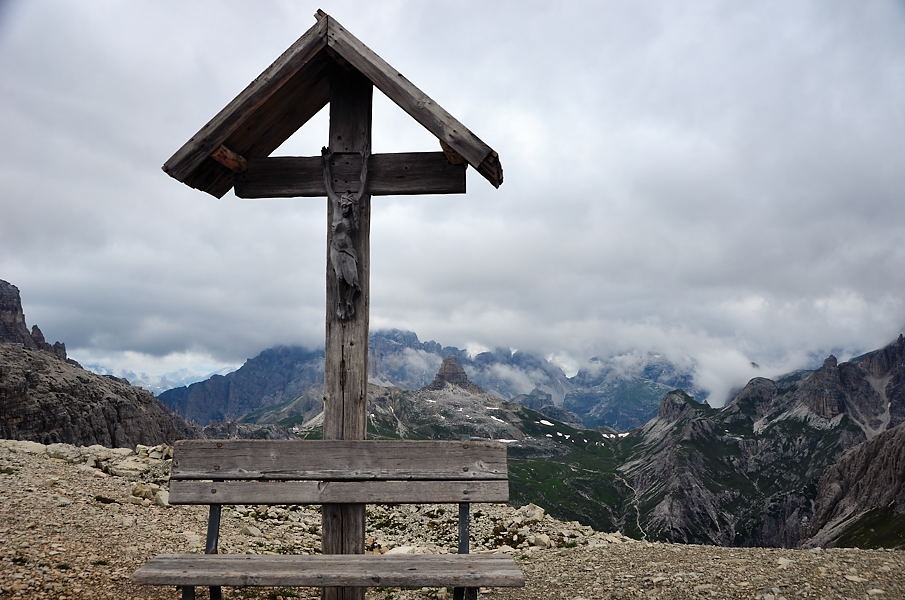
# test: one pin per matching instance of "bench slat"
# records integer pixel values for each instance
(460, 570)
(338, 459)
(337, 492)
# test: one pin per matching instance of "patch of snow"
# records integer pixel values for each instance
(545, 422)
(497, 419)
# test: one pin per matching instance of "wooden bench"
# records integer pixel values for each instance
(264, 472)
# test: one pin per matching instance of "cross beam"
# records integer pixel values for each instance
(399, 174)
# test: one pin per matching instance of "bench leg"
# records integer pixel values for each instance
(465, 593)
(216, 593)
(464, 527)
(188, 592)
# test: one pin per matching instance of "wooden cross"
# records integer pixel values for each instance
(328, 64)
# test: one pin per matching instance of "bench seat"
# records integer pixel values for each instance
(342, 476)
(319, 570)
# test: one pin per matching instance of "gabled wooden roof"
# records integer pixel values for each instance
(291, 91)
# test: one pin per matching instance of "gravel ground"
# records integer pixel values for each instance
(72, 531)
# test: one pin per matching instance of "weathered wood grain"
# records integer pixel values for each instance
(396, 174)
(292, 90)
(463, 570)
(346, 346)
(339, 460)
(339, 492)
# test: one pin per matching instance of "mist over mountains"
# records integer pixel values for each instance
(620, 394)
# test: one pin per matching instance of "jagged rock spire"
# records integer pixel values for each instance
(13, 329)
(452, 373)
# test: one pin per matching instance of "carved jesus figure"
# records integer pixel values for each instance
(344, 226)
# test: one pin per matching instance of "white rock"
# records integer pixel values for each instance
(130, 467)
(162, 498)
(405, 550)
(70, 454)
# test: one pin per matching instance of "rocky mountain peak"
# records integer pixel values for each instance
(824, 393)
(12, 319)
(452, 373)
(677, 405)
(13, 329)
(881, 362)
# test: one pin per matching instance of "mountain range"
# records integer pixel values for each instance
(619, 395)
(815, 457)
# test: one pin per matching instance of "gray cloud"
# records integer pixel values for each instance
(715, 180)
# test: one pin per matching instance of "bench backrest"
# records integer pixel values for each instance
(338, 472)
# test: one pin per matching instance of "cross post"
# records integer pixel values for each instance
(346, 345)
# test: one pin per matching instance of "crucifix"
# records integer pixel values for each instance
(232, 151)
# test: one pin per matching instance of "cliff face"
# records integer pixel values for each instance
(763, 471)
(867, 484)
(46, 400)
(12, 320)
(276, 376)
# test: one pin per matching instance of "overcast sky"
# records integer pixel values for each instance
(717, 181)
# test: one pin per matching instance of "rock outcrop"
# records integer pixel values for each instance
(273, 377)
(46, 397)
(452, 373)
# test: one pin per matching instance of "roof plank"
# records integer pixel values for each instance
(253, 98)
(415, 103)
(292, 90)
